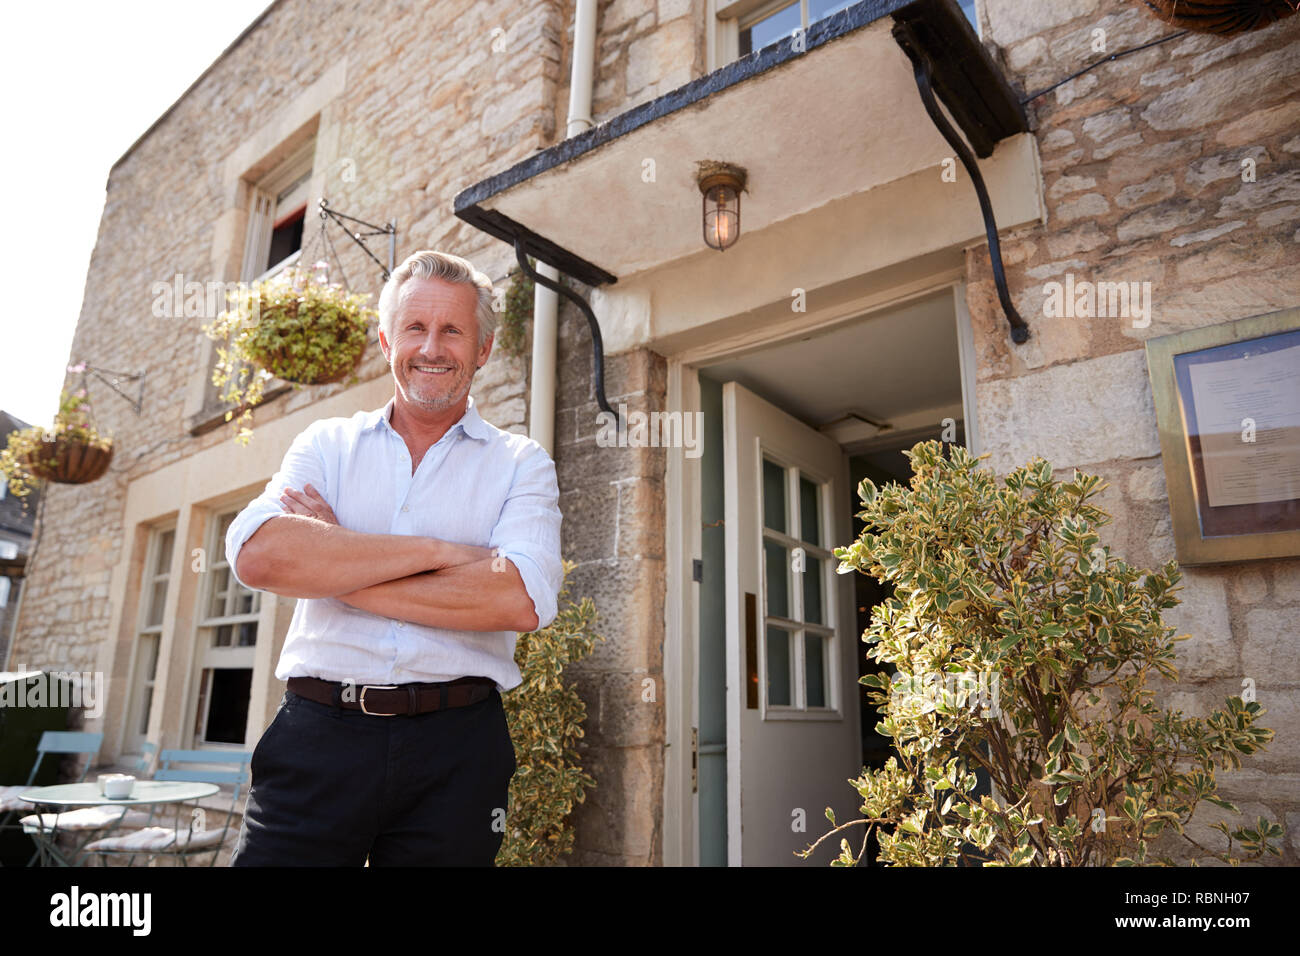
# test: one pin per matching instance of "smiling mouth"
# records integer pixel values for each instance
(431, 369)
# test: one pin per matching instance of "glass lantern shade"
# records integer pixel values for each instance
(721, 216)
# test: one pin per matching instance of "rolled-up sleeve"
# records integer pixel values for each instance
(528, 533)
(302, 465)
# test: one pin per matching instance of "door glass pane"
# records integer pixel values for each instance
(248, 634)
(222, 636)
(813, 582)
(778, 667)
(774, 497)
(815, 669)
(810, 523)
(777, 560)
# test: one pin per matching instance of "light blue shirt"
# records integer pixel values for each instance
(477, 485)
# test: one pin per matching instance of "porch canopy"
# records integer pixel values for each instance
(812, 119)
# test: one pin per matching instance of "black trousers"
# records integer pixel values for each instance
(333, 787)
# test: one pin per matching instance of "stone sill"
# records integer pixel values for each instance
(214, 415)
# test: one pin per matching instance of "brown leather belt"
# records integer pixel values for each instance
(394, 700)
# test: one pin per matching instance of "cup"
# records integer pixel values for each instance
(119, 786)
(104, 778)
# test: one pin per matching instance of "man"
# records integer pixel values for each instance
(419, 539)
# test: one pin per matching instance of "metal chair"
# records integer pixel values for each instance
(51, 742)
(102, 820)
(183, 841)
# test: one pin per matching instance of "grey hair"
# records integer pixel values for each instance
(428, 264)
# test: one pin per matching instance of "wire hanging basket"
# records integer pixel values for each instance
(1223, 17)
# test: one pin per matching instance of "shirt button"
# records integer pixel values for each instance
(401, 624)
(404, 508)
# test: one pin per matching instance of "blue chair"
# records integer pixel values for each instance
(51, 742)
(102, 820)
(192, 838)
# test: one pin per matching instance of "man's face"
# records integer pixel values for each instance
(434, 352)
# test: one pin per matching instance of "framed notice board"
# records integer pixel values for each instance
(1227, 401)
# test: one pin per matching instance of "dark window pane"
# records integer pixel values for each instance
(777, 560)
(815, 672)
(810, 522)
(228, 712)
(778, 667)
(774, 497)
(812, 591)
(770, 29)
(286, 238)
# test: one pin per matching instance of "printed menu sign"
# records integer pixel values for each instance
(1248, 419)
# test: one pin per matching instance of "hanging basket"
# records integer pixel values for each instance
(1224, 17)
(68, 461)
(280, 364)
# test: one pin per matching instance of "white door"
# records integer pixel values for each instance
(793, 735)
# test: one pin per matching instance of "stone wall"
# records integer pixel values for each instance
(613, 504)
(434, 95)
(1145, 182)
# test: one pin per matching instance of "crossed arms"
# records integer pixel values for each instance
(303, 554)
(302, 551)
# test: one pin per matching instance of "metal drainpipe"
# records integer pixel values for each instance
(541, 404)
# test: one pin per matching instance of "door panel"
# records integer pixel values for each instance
(793, 738)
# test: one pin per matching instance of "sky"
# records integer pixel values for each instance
(79, 83)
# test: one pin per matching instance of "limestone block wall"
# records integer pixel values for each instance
(430, 96)
(1144, 177)
(613, 504)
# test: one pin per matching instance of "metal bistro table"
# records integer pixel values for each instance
(64, 795)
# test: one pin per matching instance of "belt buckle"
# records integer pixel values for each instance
(362, 701)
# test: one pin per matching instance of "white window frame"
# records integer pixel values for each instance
(283, 190)
(143, 691)
(795, 624)
(210, 657)
(725, 19)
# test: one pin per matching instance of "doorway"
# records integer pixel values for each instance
(781, 723)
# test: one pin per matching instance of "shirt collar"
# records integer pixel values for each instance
(471, 423)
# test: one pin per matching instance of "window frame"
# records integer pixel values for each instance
(726, 18)
(794, 623)
(150, 577)
(208, 656)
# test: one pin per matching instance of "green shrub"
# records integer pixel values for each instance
(545, 716)
(1023, 647)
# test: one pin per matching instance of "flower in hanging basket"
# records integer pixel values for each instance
(1224, 17)
(294, 327)
(72, 452)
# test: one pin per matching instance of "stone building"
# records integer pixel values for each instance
(857, 313)
(17, 521)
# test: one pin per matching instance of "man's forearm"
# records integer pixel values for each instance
(485, 595)
(301, 557)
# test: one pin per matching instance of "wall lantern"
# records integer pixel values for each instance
(721, 185)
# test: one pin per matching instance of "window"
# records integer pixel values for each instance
(798, 629)
(227, 638)
(277, 213)
(8, 549)
(153, 601)
(762, 24)
(277, 217)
